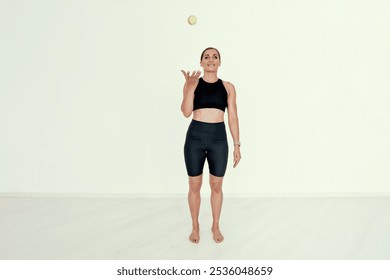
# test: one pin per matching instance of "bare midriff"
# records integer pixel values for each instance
(209, 115)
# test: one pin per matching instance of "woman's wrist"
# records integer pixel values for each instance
(237, 144)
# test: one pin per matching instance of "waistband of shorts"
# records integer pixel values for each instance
(204, 127)
(206, 124)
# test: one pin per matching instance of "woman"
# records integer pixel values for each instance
(206, 98)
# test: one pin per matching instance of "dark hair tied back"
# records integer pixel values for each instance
(210, 48)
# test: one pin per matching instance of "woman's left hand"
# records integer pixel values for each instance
(236, 156)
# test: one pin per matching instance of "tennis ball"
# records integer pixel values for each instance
(192, 20)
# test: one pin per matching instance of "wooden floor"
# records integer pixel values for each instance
(254, 228)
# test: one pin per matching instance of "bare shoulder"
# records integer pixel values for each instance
(229, 86)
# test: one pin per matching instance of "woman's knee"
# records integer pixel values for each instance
(216, 183)
(195, 183)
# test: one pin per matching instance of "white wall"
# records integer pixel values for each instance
(90, 94)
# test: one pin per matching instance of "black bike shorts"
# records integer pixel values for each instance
(206, 141)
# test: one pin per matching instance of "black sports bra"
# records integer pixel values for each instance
(210, 95)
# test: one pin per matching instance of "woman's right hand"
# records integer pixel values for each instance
(191, 79)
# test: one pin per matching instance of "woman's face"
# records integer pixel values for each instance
(210, 61)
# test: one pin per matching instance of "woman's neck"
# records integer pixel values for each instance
(210, 77)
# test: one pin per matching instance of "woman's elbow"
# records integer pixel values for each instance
(186, 113)
(233, 119)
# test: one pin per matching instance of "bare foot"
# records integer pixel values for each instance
(194, 236)
(217, 235)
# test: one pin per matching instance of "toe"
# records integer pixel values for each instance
(218, 237)
(194, 237)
